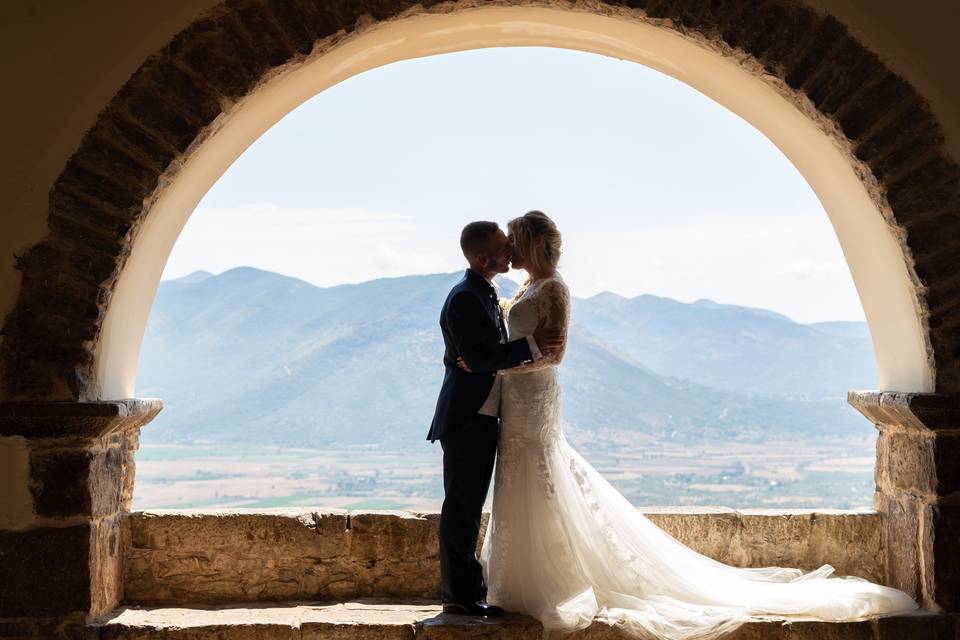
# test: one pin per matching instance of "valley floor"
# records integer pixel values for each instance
(822, 474)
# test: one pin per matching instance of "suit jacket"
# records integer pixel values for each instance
(473, 328)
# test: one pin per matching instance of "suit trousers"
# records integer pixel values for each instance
(469, 453)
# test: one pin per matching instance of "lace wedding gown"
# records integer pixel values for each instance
(565, 547)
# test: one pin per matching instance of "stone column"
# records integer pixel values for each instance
(66, 479)
(918, 491)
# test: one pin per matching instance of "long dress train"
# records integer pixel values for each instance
(565, 547)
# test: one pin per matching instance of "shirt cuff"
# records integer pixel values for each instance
(534, 349)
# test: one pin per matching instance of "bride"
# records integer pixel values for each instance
(565, 547)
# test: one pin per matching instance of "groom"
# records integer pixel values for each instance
(466, 420)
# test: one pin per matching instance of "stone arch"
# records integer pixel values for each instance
(182, 97)
(75, 458)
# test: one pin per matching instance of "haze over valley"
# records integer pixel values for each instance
(279, 392)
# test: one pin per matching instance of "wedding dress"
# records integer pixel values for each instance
(565, 547)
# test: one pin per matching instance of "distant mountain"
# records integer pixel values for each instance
(195, 277)
(253, 356)
(734, 348)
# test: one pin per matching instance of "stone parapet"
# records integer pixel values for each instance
(67, 470)
(193, 557)
(918, 490)
(181, 557)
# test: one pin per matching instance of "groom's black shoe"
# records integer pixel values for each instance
(472, 609)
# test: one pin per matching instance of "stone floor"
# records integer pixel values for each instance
(395, 620)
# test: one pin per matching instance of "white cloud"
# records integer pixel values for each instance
(323, 246)
(788, 263)
(791, 264)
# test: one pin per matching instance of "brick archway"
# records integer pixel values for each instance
(180, 96)
(175, 100)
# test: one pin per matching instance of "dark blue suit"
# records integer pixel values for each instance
(473, 328)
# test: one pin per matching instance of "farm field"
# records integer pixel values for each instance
(778, 474)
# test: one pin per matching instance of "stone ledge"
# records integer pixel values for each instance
(925, 412)
(422, 619)
(82, 420)
(246, 556)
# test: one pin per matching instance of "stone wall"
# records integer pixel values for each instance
(61, 550)
(61, 558)
(918, 491)
(181, 557)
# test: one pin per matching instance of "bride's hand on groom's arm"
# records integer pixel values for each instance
(463, 365)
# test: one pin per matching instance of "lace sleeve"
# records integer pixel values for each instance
(553, 304)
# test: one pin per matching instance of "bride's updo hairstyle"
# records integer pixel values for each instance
(526, 229)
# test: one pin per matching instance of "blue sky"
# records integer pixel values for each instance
(656, 188)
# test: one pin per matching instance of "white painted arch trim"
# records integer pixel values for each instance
(872, 251)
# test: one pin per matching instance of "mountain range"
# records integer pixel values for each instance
(250, 356)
